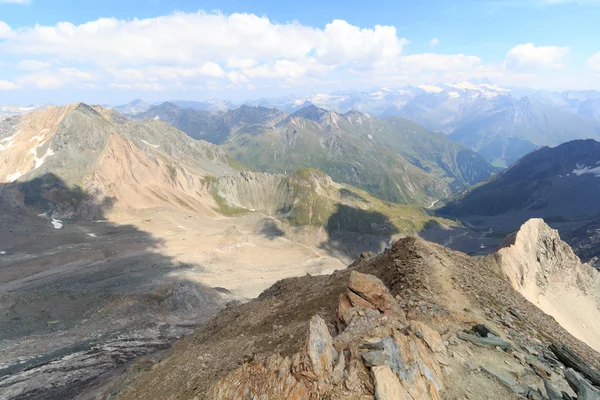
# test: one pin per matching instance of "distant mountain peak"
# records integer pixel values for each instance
(311, 112)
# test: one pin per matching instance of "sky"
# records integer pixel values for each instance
(112, 51)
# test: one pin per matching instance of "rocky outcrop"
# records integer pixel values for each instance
(376, 352)
(546, 271)
(416, 322)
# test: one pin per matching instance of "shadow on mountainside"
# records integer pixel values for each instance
(270, 230)
(74, 284)
(352, 231)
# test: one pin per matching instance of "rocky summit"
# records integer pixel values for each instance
(419, 321)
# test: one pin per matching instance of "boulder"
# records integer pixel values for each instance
(375, 292)
(387, 384)
(320, 349)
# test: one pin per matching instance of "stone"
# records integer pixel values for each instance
(483, 330)
(389, 355)
(358, 301)
(375, 292)
(387, 385)
(572, 360)
(552, 393)
(338, 371)
(534, 394)
(320, 349)
(343, 306)
(352, 381)
(584, 390)
(490, 342)
(505, 381)
(429, 336)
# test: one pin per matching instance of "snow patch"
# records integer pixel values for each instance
(370, 136)
(8, 142)
(150, 144)
(91, 234)
(2, 252)
(40, 160)
(431, 88)
(454, 95)
(13, 177)
(157, 118)
(57, 223)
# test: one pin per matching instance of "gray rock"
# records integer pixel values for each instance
(390, 356)
(505, 381)
(552, 393)
(320, 347)
(584, 390)
(490, 342)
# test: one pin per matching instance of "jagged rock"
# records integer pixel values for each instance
(552, 393)
(485, 342)
(584, 390)
(268, 377)
(534, 394)
(320, 347)
(505, 381)
(432, 338)
(389, 355)
(483, 330)
(387, 385)
(375, 292)
(338, 371)
(571, 359)
(359, 327)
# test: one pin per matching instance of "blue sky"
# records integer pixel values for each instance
(112, 51)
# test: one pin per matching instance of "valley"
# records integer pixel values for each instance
(121, 236)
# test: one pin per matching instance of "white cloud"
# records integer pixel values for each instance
(342, 43)
(439, 62)
(528, 56)
(54, 79)
(594, 62)
(434, 42)
(22, 2)
(31, 65)
(6, 85)
(186, 47)
(5, 30)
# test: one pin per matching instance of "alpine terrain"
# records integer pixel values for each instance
(391, 158)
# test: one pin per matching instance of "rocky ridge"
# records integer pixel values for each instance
(418, 321)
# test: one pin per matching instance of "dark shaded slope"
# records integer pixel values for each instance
(556, 181)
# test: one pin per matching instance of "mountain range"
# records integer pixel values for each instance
(119, 236)
(392, 158)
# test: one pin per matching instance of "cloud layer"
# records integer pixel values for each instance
(209, 50)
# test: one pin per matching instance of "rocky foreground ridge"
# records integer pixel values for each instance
(419, 321)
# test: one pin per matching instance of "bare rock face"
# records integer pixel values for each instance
(376, 353)
(546, 271)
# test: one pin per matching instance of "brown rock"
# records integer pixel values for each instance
(375, 292)
(429, 336)
(358, 301)
(387, 385)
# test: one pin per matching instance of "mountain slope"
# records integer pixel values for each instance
(391, 158)
(415, 322)
(134, 107)
(560, 181)
(512, 132)
(148, 162)
(502, 124)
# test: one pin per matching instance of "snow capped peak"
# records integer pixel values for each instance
(431, 88)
